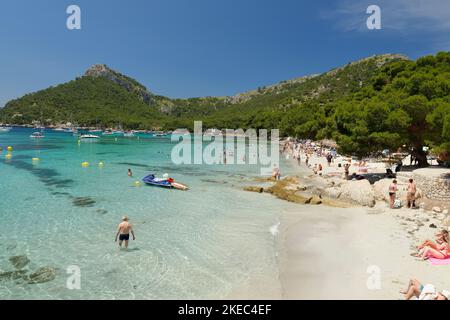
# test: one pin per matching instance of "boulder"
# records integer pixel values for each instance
(359, 192)
(437, 209)
(332, 193)
(44, 274)
(12, 275)
(318, 191)
(334, 182)
(19, 262)
(315, 200)
(254, 189)
(446, 222)
(381, 188)
(283, 190)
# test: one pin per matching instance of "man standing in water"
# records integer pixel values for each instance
(123, 232)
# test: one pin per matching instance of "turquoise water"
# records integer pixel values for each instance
(201, 244)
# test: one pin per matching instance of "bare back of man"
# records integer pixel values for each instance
(123, 232)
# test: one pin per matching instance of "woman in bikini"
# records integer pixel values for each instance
(439, 240)
(392, 191)
(437, 251)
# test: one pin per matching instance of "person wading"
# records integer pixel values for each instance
(123, 232)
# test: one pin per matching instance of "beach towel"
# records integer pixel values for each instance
(428, 292)
(440, 262)
(334, 174)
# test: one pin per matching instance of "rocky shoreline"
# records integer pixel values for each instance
(433, 193)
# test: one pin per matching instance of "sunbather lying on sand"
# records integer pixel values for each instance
(439, 240)
(424, 292)
(438, 250)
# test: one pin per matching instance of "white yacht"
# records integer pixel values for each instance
(37, 135)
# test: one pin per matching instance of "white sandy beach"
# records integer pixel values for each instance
(332, 253)
(327, 252)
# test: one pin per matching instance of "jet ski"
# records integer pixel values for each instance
(163, 182)
(152, 180)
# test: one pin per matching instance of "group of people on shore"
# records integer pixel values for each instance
(314, 150)
(308, 148)
(410, 194)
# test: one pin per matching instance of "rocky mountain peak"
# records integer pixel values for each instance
(97, 70)
(131, 85)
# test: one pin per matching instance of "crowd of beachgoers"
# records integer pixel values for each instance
(325, 164)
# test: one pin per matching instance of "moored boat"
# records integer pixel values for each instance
(89, 137)
(37, 135)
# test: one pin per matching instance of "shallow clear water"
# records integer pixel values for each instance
(203, 243)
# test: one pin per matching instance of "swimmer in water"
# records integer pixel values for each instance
(130, 174)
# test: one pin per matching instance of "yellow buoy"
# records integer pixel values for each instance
(137, 183)
(9, 148)
(35, 159)
(8, 156)
(101, 164)
(85, 164)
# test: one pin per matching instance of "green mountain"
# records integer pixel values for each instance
(106, 97)
(385, 101)
(101, 97)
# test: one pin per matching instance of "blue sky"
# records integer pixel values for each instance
(188, 48)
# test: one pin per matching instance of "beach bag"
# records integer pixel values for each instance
(397, 203)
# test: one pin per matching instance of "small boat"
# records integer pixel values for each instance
(129, 134)
(213, 132)
(112, 133)
(37, 135)
(160, 134)
(96, 131)
(181, 132)
(163, 182)
(152, 180)
(89, 137)
(5, 129)
(108, 133)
